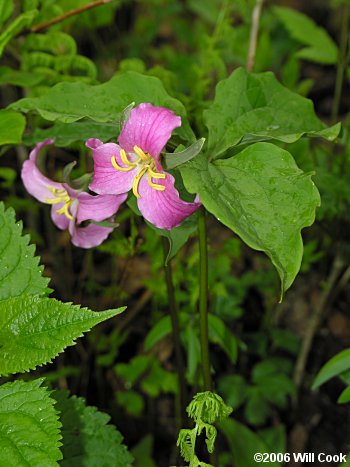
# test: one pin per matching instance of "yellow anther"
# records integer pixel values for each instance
(141, 154)
(136, 181)
(118, 167)
(61, 197)
(155, 185)
(154, 174)
(64, 210)
(125, 159)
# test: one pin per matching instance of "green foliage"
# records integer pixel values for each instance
(261, 179)
(321, 47)
(34, 330)
(256, 107)
(21, 22)
(334, 367)
(12, 125)
(29, 433)
(87, 437)
(70, 102)
(19, 270)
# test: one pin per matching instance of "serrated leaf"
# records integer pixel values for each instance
(22, 21)
(12, 125)
(88, 439)
(35, 330)
(19, 270)
(302, 28)
(70, 102)
(256, 107)
(29, 426)
(263, 197)
(335, 366)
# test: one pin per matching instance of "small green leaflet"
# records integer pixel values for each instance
(29, 434)
(104, 103)
(263, 197)
(19, 270)
(34, 330)
(21, 22)
(321, 47)
(334, 367)
(12, 125)
(255, 107)
(87, 437)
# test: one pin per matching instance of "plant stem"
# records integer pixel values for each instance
(342, 54)
(68, 14)
(174, 315)
(254, 31)
(203, 298)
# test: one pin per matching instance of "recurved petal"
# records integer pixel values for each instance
(99, 207)
(164, 209)
(89, 236)
(149, 128)
(106, 178)
(60, 220)
(34, 181)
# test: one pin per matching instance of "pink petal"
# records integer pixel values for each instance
(34, 181)
(164, 209)
(99, 207)
(149, 128)
(90, 236)
(106, 178)
(60, 220)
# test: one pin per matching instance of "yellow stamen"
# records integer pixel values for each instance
(64, 210)
(154, 174)
(155, 185)
(118, 167)
(125, 159)
(141, 154)
(136, 181)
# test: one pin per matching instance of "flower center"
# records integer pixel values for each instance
(147, 165)
(61, 197)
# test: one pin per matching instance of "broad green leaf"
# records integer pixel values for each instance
(256, 107)
(263, 197)
(6, 10)
(19, 270)
(87, 437)
(244, 443)
(35, 330)
(29, 434)
(12, 125)
(70, 102)
(68, 133)
(21, 22)
(335, 366)
(221, 335)
(19, 77)
(322, 48)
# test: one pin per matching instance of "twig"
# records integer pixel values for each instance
(254, 34)
(68, 14)
(330, 291)
(135, 310)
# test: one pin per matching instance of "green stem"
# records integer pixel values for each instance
(342, 58)
(203, 299)
(174, 315)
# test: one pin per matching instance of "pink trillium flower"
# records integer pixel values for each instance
(70, 207)
(135, 165)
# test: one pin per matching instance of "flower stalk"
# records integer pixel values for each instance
(203, 299)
